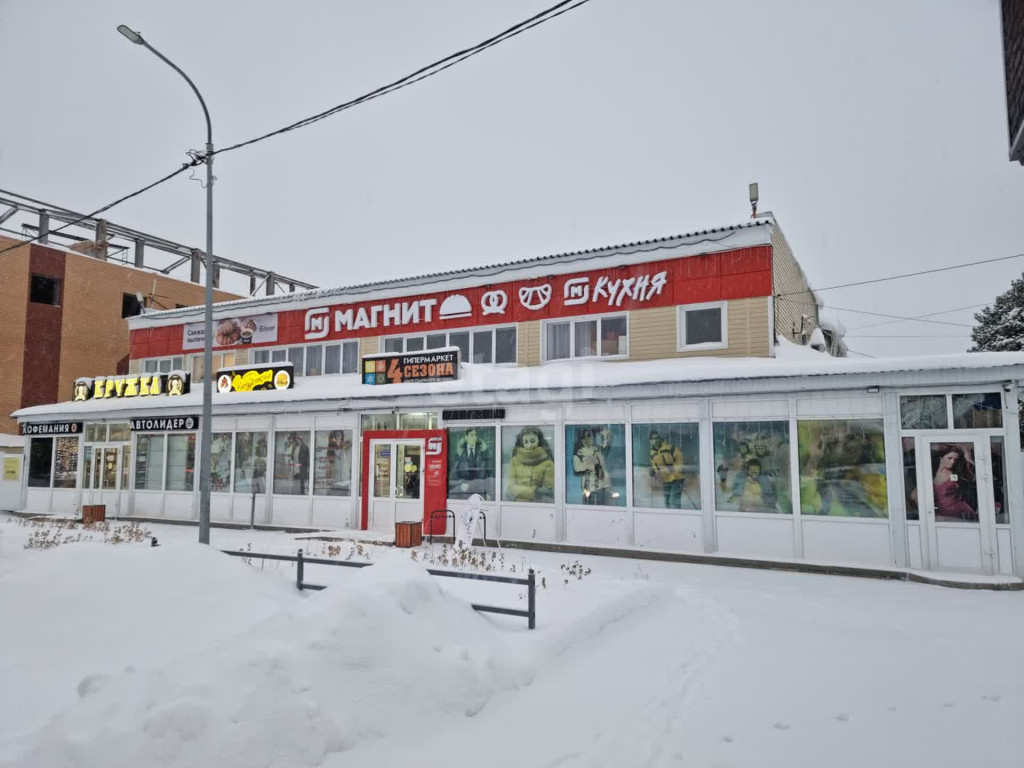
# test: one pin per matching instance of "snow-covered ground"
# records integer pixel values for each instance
(126, 655)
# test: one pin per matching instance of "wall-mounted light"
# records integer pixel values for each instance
(873, 390)
(1007, 386)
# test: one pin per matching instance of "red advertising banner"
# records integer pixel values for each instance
(736, 274)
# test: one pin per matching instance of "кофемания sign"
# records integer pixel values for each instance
(52, 428)
(133, 385)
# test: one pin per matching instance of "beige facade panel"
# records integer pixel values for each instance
(528, 339)
(794, 297)
(654, 333)
(369, 345)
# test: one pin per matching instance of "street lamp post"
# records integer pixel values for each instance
(207, 417)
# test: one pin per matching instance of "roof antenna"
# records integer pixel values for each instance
(753, 200)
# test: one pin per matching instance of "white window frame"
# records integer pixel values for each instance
(682, 309)
(323, 355)
(157, 360)
(572, 337)
(470, 330)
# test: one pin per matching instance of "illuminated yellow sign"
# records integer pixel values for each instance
(146, 385)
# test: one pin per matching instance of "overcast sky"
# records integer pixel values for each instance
(876, 130)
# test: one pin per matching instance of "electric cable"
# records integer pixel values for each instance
(422, 73)
(107, 207)
(877, 314)
(920, 317)
(908, 274)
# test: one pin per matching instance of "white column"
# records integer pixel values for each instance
(1014, 480)
(894, 479)
(707, 478)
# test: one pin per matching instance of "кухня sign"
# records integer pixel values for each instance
(415, 367)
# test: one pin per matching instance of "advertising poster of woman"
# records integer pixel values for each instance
(529, 464)
(595, 465)
(954, 482)
(333, 463)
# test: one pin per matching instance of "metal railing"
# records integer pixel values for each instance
(300, 560)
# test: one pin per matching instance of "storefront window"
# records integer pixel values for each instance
(65, 469)
(149, 462)
(752, 467)
(923, 412)
(471, 462)
(376, 421)
(40, 462)
(291, 463)
(119, 433)
(954, 482)
(126, 466)
(86, 466)
(666, 466)
(999, 481)
(250, 462)
(910, 478)
(95, 433)
(842, 468)
(528, 464)
(181, 462)
(595, 464)
(417, 420)
(332, 474)
(981, 411)
(220, 462)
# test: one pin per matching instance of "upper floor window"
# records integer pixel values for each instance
(163, 364)
(44, 289)
(606, 336)
(703, 326)
(483, 345)
(314, 359)
(131, 305)
(219, 360)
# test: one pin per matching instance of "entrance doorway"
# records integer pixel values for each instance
(396, 483)
(956, 495)
(108, 468)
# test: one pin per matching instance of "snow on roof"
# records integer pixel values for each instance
(537, 266)
(11, 441)
(793, 362)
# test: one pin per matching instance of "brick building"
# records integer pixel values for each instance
(62, 316)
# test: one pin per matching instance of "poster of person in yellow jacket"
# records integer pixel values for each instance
(666, 464)
(842, 468)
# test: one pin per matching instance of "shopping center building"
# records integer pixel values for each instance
(676, 395)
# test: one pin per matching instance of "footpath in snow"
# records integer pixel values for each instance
(126, 655)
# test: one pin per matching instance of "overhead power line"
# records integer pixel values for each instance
(921, 317)
(422, 73)
(877, 314)
(106, 207)
(908, 274)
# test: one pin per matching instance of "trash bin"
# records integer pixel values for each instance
(408, 534)
(93, 513)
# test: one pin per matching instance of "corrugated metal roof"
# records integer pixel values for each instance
(449, 274)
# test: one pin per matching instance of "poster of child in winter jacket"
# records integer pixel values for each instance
(752, 467)
(471, 462)
(666, 466)
(528, 464)
(595, 465)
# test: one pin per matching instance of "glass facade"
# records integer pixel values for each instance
(332, 475)
(220, 462)
(842, 468)
(595, 464)
(752, 467)
(291, 463)
(666, 466)
(471, 462)
(250, 462)
(528, 463)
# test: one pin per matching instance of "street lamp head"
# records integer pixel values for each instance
(131, 34)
